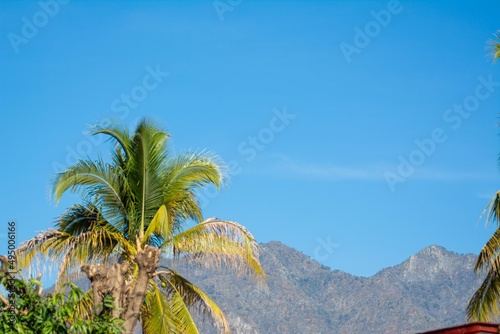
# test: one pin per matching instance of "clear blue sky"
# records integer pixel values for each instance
(315, 105)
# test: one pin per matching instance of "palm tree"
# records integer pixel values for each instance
(484, 304)
(135, 208)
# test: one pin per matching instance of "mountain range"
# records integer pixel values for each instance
(429, 290)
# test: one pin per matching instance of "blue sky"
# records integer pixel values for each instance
(357, 132)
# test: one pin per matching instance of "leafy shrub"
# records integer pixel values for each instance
(31, 312)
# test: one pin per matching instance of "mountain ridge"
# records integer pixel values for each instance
(428, 290)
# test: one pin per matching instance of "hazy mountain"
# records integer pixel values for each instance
(428, 291)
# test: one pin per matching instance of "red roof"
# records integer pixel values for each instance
(472, 328)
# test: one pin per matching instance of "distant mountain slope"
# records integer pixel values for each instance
(428, 291)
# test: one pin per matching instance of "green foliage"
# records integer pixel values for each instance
(35, 313)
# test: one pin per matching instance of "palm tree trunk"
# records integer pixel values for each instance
(107, 280)
(147, 261)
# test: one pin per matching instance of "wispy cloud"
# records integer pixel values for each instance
(326, 171)
(284, 166)
(441, 175)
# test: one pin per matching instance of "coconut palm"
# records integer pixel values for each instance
(484, 304)
(138, 206)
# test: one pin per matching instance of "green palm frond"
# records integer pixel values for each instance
(185, 175)
(489, 253)
(78, 219)
(217, 243)
(121, 152)
(194, 169)
(157, 315)
(98, 182)
(494, 46)
(488, 257)
(159, 225)
(493, 209)
(148, 155)
(483, 305)
(194, 298)
(181, 311)
(120, 135)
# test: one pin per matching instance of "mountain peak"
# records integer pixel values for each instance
(433, 262)
(434, 250)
